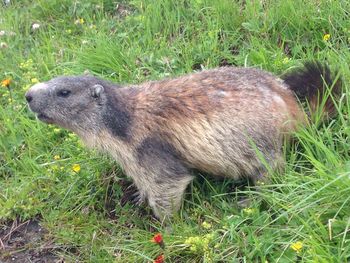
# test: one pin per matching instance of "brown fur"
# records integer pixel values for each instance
(220, 121)
(211, 120)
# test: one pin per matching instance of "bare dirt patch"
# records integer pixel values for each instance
(26, 242)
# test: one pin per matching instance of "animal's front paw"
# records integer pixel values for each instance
(130, 194)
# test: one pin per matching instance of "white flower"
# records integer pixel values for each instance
(9, 33)
(3, 45)
(35, 26)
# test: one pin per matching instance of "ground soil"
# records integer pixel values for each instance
(25, 242)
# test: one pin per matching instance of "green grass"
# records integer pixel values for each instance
(146, 39)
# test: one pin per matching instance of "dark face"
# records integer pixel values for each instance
(71, 102)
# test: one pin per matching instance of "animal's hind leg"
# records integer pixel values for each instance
(261, 176)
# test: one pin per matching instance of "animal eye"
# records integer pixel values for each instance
(63, 93)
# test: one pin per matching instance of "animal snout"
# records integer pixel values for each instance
(36, 91)
(29, 97)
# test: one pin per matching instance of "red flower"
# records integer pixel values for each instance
(158, 238)
(159, 259)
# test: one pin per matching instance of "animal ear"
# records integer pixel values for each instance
(96, 90)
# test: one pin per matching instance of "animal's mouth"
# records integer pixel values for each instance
(44, 118)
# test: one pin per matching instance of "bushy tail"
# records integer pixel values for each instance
(315, 85)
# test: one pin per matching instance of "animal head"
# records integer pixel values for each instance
(72, 102)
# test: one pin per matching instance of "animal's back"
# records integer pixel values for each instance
(218, 119)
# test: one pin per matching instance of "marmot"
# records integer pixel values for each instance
(221, 121)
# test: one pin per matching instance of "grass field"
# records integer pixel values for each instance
(46, 174)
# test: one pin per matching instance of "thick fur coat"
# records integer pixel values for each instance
(228, 122)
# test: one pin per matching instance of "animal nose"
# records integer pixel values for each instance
(29, 97)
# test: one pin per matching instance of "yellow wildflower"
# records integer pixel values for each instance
(199, 243)
(57, 157)
(195, 243)
(56, 130)
(206, 225)
(326, 37)
(79, 21)
(34, 80)
(72, 135)
(6, 82)
(284, 61)
(249, 211)
(297, 246)
(76, 168)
